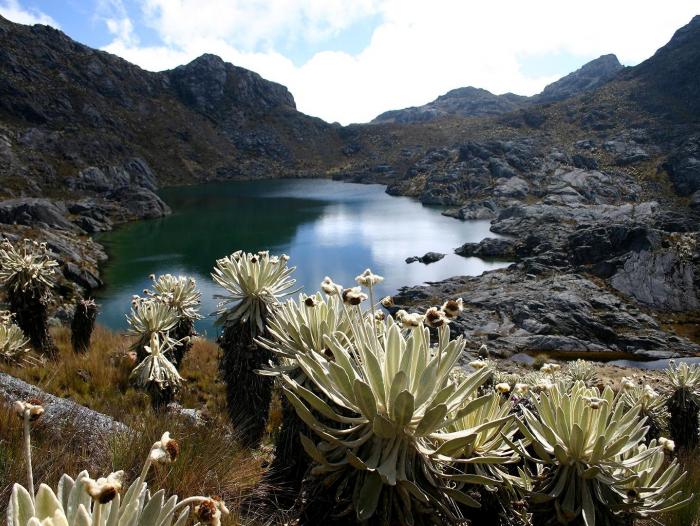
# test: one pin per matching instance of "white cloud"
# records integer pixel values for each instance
(418, 51)
(12, 10)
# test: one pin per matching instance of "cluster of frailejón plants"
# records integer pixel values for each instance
(27, 274)
(14, 345)
(254, 285)
(180, 293)
(84, 501)
(163, 324)
(396, 432)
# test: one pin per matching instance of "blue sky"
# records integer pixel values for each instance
(349, 60)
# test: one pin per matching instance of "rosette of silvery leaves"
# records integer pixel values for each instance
(254, 283)
(150, 316)
(386, 420)
(13, 343)
(26, 266)
(178, 292)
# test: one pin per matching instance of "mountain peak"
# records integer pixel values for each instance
(589, 76)
(210, 85)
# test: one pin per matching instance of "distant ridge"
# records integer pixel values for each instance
(476, 102)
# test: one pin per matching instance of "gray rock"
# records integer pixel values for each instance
(626, 152)
(695, 200)
(489, 248)
(60, 413)
(140, 202)
(683, 167)
(661, 279)
(35, 211)
(428, 258)
(513, 312)
(91, 225)
(513, 187)
(81, 276)
(474, 210)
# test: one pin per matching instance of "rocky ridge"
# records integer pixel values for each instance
(476, 102)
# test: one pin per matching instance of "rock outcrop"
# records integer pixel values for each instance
(427, 258)
(512, 311)
(59, 413)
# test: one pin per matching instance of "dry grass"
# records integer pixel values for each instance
(99, 379)
(210, 463)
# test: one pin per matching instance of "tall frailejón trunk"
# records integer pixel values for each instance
(248, 394)
(31, 314)
(82, 325)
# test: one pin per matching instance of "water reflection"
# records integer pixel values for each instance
(327, 227)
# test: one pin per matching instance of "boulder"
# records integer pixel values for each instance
(513, 187)
(60, 413)
(498, 248)
(427, 259)
(683, 167)
(31, 211)
(140, 202)
(486, 209)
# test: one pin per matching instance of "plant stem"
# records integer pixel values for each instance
(28, 452)
(96, 516)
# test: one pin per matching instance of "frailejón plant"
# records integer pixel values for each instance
(28, 272)
(652, 406)
(181, 294)
(156, 374)
(254, 283)
(684, 404)
(14, 345)
(299, 327)
(384, 434)
(149, 317)
(83, 324)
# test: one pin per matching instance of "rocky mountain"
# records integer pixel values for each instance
(475, 102)
(596, 184)
(75, 117)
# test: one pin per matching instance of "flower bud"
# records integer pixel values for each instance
(453, 308)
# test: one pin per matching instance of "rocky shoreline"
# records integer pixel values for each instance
(597, 280)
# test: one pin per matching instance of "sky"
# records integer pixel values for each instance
(350, 60)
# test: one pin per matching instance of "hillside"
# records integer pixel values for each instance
(66, 108)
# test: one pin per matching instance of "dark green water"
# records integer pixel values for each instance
(327, 227)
